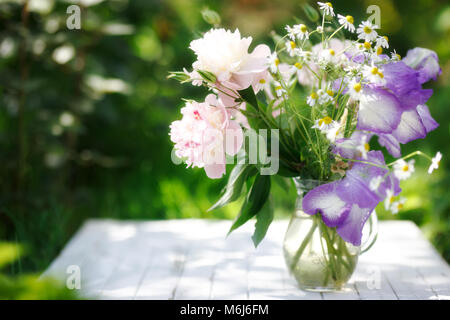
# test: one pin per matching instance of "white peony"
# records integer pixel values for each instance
(225, 54)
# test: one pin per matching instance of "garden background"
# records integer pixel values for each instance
(85, 114)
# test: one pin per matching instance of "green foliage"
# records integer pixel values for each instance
(92, 147)
(28, 286)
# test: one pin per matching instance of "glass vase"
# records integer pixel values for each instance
(316, 256)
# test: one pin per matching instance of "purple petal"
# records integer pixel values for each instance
(324, 199)
(404, 82)
(390, 143)
(379, 112)
(354, 188)
(425, 61)
(410, 127)
(427, 120)
(347, 147)
(351, 228)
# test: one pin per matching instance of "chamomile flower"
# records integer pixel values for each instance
(375, 183)
(397, 205)
(395, 56)
(363, 147)
(319, 29)
(301, 31)
(366, 31)
(403, 170)
(347, 22)
(312, 99)
(355, 89)
(279, 90)
(389, 200)
(323, 124)
(435, 162)
(373, 74)
(291, 48)
(273, 62)
(297, 66)
(382, 42)
(334, 131)
(260, 84)
(327, 8)
(325, 95)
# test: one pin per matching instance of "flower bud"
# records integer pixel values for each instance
(211, 16)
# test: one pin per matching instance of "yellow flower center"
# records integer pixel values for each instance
(386, 38)
(277, 62)
(331, 51)
(399, 57)
(400, 206)
(357, 87)
(379, 50)
(350, 19)
(329, 4)
(374, 70)
(405, 168)
(391, 199)
(314, 95)
(298, 65)
(293, 45)
(262, 81)
(303, 28)
(366, 146)
(380, 74)
(330, 93)
(326, 120)
(367, 45)
(367, 29)
(278, 88)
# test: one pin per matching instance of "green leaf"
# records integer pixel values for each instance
(310, 12)
(249, 96)
(255, 200)
(239, 174)
(263, 220)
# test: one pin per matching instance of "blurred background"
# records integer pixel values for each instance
(84, 116)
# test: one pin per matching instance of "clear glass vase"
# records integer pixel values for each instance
(315, 254)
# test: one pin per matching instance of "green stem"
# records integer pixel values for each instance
(303, 246)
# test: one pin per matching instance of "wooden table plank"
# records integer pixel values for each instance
(192, 259)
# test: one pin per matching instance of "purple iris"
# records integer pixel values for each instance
(396, 112)
(347, 204)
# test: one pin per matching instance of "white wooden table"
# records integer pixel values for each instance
(191, 259)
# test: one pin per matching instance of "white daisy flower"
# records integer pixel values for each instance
(403, 170)
(312, 99)
(382, 42)
(363, 147)
(389, 200)
(325, 95)
(397, 205)
(279, 90)
(273, 62)
(366, 31)
(327, 55)
(347, 22)
(296, 67)
(291, 32)
(435, 162)
(334, 131)
(374, 74)
(324, 124)
(301, 31)
(291, 48)
(327, 8)
(355, 89)
(375, 183)
(395, 56)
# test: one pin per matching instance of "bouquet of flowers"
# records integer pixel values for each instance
(323, 96)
